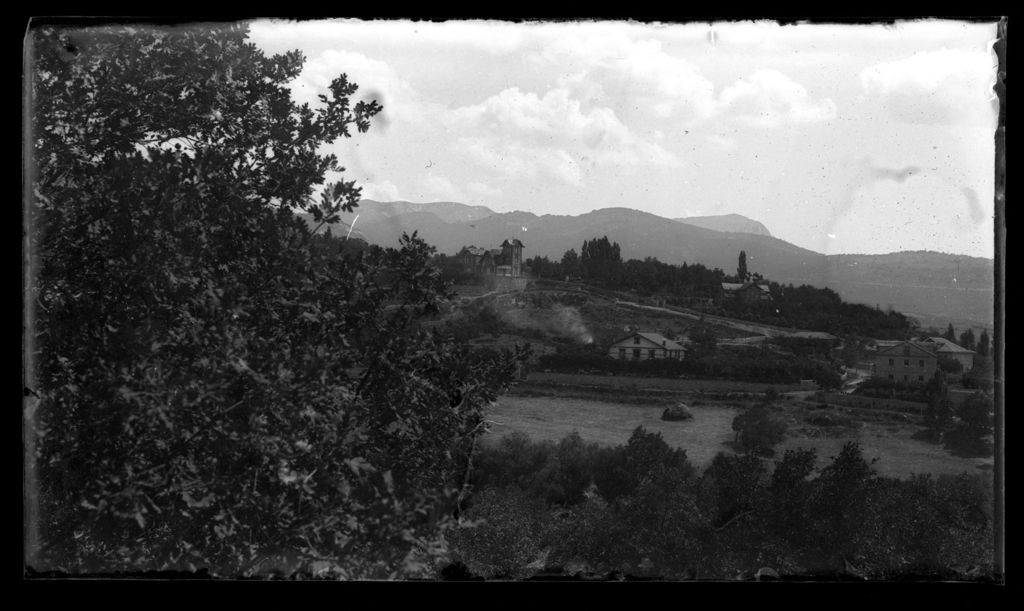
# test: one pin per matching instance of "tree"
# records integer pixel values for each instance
(704, 341)
(741, 271)
(967, 339)
(214, 391)
(950, 333)
(975, 414)
(600, 260)
(983, 343)
(938, 416)
(571, 263)
(758, 431)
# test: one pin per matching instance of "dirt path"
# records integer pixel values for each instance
(749, 327)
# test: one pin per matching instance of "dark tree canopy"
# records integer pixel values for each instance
(214, 389)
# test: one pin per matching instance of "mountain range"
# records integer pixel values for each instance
(935, 288)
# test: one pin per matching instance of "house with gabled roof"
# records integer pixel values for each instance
(905, 362)
(946, 348)
(642, 346)
(504, 261)
(747, 292)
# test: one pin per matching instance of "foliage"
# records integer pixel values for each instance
(740, 515)
(984, 346)
(758, 430)
(981, 375)
(950, 333)
(950, 365)
(741, 269)
(455, 272)
(971, 435)
(893, 389)
(218, 388)
(748, 365)
(600, 261)
(819, 309)
(938, 416)
(503, 533)
(967, 339)
(703, 341)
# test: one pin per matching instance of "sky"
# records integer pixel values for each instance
(838, 138)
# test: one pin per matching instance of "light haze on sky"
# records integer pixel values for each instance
(838, 138)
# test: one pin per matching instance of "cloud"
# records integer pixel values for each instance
(482, 190)
(376, 79)
(636, 75)
(382, 191)
(555, 135)
(724, 143)
(440, 186)
(519, 161)
(769, 98)
(936, 87)
(490, 37)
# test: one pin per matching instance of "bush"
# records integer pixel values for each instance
(504, 532)
(758, 430)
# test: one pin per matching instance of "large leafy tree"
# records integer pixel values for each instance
(213, 391)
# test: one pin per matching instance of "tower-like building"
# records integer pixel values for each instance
(511, 261)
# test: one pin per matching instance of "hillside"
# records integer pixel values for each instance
(935, 288)
(727, 222)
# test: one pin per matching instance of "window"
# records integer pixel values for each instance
(890, 362)
(650, 353)
(636, 339)
(905, 378)
(622, 353)
(890, 376)
(906, 362)
(920, 378)
(921, 363)
(636, 353)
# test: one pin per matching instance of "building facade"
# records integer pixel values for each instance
(747, 292)
(905, 362)
(944, 347)
(504, 261)
(646, 346)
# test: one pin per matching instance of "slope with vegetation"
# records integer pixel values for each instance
(211, 387)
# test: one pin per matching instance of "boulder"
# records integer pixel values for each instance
(679, 411)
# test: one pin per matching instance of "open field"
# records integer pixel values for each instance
(611, 423)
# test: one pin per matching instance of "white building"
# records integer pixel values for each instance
(643, 346)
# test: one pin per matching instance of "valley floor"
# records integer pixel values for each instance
(608, 416)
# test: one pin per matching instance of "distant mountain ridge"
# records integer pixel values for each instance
(934, 287)
(735, 223)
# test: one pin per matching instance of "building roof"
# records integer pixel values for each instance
(946, 347)
(740, 286)
(661, 340)
(474, 250)
(657, 339)
(512, 242)
(916, 348)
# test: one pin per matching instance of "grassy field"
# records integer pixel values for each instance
(611, 423)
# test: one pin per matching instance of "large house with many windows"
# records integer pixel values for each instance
(644, 346)
(905, 362)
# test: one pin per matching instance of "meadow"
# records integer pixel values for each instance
(610, 422)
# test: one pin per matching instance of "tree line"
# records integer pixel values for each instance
(643, 510)
(211, 386)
